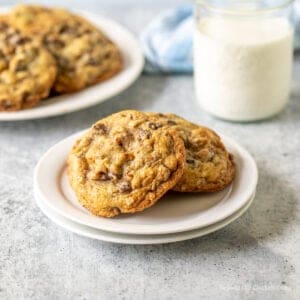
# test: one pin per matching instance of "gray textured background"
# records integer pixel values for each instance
(256, 257)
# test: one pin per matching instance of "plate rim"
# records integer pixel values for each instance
(124, 79)
(110, 225)
(112, 237)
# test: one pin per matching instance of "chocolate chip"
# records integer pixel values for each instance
(25, 96)
(104, 176)
(101, 128)
(92, 62)
(6, 104)
(63, 62)
(55, 42)
(170, 122)
(187, 143)
(144, 134)
(3, 26)
(16, 39)
(125, 186)
(119, 141)
(65, 29)
(154, 126)
(87, 31)
(70, 30)
(23, 40)
(116, 210)
(107, 55)
(21, 66)
(34, 52)
(190, 161)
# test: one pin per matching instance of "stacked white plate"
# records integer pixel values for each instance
(176, 217)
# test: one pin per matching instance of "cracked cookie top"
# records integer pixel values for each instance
(125, 163)
(209, 166)
(27, 69)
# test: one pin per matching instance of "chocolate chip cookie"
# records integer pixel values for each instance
(84, 54)
(27, 69)
(209, 167)
(125, 163)
(35, 20)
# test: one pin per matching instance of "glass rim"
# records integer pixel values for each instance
(221, 10)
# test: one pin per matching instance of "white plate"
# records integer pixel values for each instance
(176, 212)
(135, 239)
(133, 65)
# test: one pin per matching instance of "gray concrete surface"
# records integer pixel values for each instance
(256, 257)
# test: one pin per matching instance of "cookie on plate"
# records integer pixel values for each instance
(124, 164)
(84, 54)
(209, 167)
(35, 20)
(27, 69)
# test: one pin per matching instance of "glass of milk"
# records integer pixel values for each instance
(243, 52)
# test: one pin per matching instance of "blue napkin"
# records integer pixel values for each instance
(297, 24)
(167, 41)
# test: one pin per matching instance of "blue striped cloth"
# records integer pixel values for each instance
(167, 41)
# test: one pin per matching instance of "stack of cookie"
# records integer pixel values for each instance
(46, 50)
(126, 162)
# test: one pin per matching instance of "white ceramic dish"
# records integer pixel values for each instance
(133, 65)
(176, 212)
(135, 239)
